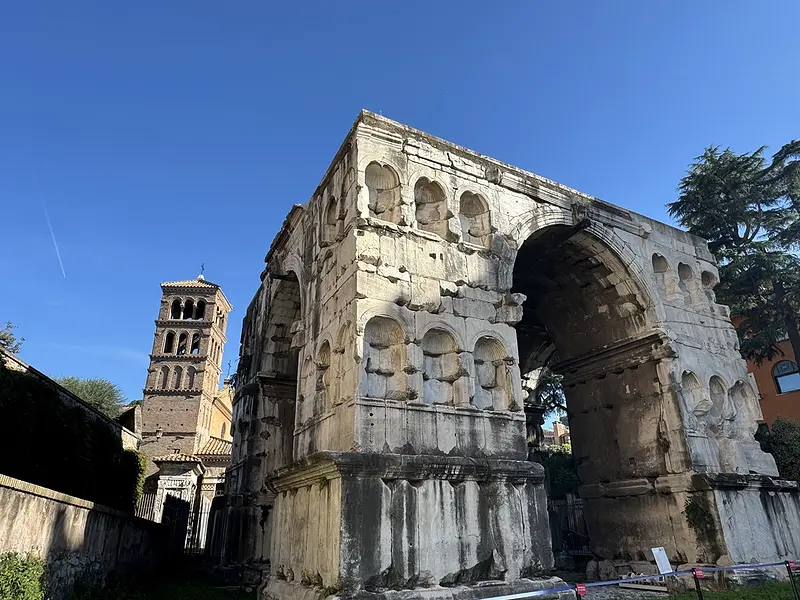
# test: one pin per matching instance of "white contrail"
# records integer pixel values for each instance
(50, 227)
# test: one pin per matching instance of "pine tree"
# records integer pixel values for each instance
(749, 211)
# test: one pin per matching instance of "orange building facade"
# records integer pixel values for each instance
(778, 382)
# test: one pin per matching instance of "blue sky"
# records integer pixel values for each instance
(165, 135)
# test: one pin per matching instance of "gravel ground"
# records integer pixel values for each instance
(612, 592)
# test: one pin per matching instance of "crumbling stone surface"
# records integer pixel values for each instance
(404, 314)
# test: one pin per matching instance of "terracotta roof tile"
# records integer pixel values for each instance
(176, 458)
(216, 447)
(199, 283)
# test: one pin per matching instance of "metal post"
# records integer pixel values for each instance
(790, 570)
(697, 584)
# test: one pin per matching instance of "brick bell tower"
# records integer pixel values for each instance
(185, 368)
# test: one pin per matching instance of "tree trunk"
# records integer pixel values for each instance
(789, 319)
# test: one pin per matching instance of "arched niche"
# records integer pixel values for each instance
(493, 384)
(441, 368)
(344, 365)
(323, 378)
(475, 218)
(430, 207)
(384, 360)
(745, 401)
(688, 284)
(720, 408)
(383, 186)
(660, 264)
(332, 222)
(696, 403)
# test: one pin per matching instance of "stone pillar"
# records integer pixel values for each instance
(361, 525)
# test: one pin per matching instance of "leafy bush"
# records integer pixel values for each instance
(135, 466)
(783, 441)
(560, 470)
(68, 448)
(21, 577)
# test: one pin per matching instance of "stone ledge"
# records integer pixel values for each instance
(619, 356)
(320, 467)
(43, 492)
(484, 413)
(686, 482)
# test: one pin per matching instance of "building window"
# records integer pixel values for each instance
(188, 309)
(786, 376)
(164, 380)
(182, 344)
(169, 343)
(175, 313)
(196, 343)
(200, 310)
(178, 378)
(222, 431)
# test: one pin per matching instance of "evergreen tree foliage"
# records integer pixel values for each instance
(748, 209)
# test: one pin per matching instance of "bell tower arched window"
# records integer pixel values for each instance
(169, 343)
(188, 309)
(178, 378)
(163, 379)
(182, 344)
(195, 343)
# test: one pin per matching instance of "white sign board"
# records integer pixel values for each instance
(662, 561)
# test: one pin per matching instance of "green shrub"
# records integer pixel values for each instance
(560, 470)
(134, 466)
(783, 441)
(21, 577)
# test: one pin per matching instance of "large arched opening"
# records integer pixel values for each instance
(279, 376)
(588, 320)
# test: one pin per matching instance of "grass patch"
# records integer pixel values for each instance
(771, 591)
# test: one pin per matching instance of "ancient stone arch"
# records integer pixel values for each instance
(400, 458)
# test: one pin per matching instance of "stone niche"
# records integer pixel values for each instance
(381, 442)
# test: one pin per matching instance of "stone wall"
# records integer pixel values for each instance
(79, 540)
(69, 445)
